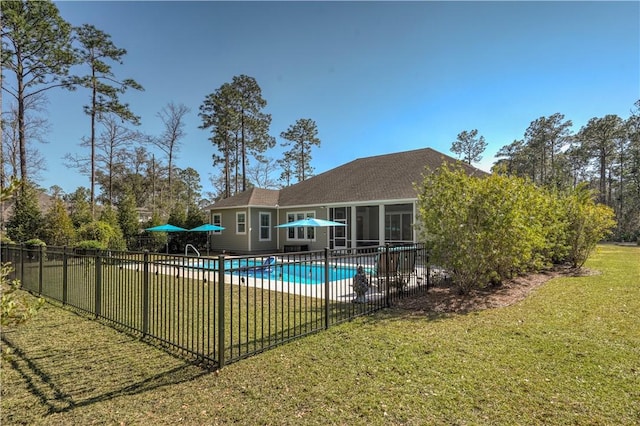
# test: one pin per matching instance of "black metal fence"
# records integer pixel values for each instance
(221, 309)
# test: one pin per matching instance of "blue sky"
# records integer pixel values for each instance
(377, 77)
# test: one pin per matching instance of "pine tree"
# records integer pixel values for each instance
(469, 146)
(59, 230)
(301, 136)
(128, 219)
(36, 47)
(95, 49)
(26, 222)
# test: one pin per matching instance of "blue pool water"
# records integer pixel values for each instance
(300, 273)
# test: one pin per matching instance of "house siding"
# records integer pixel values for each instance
(321, 239)
(228, 240)
(257, 245)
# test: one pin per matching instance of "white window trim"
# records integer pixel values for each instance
(304, 214)
(213, 222)
(260, 214)
(238, 223)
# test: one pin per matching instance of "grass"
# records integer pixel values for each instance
(568, 354)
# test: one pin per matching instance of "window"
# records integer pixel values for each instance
(241, 223)
(217, 220)
(299, 233)
(265, 226)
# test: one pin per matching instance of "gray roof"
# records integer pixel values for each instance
(382, 177)
(257, 197)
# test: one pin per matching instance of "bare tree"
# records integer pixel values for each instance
(172, 117)
(261, 174)
(112, 148)
(36, 127)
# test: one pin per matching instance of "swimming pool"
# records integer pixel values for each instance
(305, 273)
(270, 268)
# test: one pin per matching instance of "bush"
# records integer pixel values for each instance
(484, 230)
(35, 242)
(15, 307)
(34, 246)
(588, 223)
(6, 240)
(107, 235)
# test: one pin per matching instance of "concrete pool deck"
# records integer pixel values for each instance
(339, 290)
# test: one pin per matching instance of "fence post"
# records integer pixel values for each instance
(40, 269)
(387, 280)
(426, 256)
(221, 311)
(64, 275)
(145, 294)
(326, 288)
(98, 287)
(22, 255)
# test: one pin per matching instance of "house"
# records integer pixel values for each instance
(44, 200)
(374, 197)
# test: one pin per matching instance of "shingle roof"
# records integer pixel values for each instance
(250, 197)
(381, 177)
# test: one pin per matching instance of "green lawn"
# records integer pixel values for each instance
(568, 354)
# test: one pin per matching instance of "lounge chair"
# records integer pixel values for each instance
(406, 266)
(384, 271)
(263, 268)
(401, 266)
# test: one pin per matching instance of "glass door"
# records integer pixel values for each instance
(340, 234)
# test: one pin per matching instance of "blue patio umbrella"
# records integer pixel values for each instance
(167, 227)
(310, 221)
(207, 227)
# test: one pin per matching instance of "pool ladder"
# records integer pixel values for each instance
(186, 249)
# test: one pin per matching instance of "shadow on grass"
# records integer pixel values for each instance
(52, 396)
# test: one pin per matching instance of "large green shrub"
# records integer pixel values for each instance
(128, 218)
(58, 229)
(587, 224)
(106, 234)
(35, 242)
(15, 307)
(26, 221)
(154, 241)
(484, 230)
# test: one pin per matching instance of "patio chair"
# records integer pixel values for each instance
(406, 266)
(264, 268)
(382, 272)
(402, 265)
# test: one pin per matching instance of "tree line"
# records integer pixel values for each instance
(604, 155)
(42, 52)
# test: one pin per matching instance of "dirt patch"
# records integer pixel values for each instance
(443, 298)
